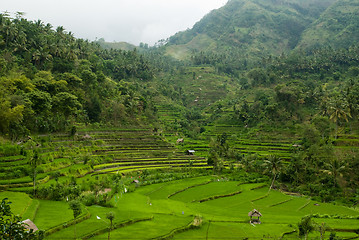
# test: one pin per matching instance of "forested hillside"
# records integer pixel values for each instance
(115, 45)
(337, 27)
(249, 28)
(51, 80)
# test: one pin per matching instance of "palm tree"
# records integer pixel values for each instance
(10, 32)
(110, 216)
(305, 227)
(48, 27)
(297, 168)
(322, 228)
(338, 111)
(60, 30)
(39, 23)
(335, 168)
(34, 161)
(36, 57)
(273, 164)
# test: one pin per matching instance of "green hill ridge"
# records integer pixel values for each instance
(337, 27)
(258, 28)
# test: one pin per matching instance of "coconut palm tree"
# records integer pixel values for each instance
(34, 161)
(338, 111)
(335, 168)
(273, 164)
(110, 216)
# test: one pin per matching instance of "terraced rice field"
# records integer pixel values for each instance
(92, 153)
(167, 209)
(245, 141)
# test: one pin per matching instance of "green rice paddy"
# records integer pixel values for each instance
(155, 210)
(166, 209)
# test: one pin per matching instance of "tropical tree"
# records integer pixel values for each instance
(65, 103)
(338, 111)
(321, 228)
(296, 169)
(110, 216)
(352, 98)
(335, 168)
(305, 226)
(9, 114)
(75, 206)
(273, 164)
(219, 149)
(322, 124)
(34, 161)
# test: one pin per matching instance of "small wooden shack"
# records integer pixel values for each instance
(28, 225)
(190, 152)
(180, 140)
(255, 215)
(86, 137)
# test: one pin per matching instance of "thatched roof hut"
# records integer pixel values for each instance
(28, 224)
(255, 215)
(86, 137)
(190, 152)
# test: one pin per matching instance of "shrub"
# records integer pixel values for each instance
(88, 199)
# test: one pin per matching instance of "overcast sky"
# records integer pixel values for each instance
(132, 21)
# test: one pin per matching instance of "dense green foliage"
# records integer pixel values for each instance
(11, 226)
(50, 80)
(336, 27)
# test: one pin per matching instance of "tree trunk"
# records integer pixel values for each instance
(109, 232)
(271, 186)
(322, 231)
(34, 182)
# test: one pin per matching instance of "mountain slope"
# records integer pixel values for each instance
(253, 27)
(115, 45)
(337, 27)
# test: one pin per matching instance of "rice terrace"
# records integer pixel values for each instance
(124, 177)
(244, 126)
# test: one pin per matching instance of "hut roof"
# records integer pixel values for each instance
(86, 136)
(28, 224)
(191, 151)
(254, 213)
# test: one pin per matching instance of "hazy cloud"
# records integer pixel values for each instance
(132, 21)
